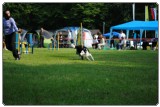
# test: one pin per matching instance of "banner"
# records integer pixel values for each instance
(146, 14)
(154, 13)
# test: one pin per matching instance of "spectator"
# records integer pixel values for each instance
(154, 43)
(121, 43)
(128, 44)
(95, 43)
(70, 36)
(122, 35)
(102, 42)
(145, 44)
(135, 39)
(41, 39)
(112, 44)
(52, 44)
(99, 37)
(61, 40)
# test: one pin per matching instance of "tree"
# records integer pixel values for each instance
(52, 16)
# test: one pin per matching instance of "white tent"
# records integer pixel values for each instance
(87, 37)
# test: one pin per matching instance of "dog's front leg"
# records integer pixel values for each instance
(82, 57)
(88, 58)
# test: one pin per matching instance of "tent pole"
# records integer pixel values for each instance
(55, 39)
(127, 34)
(133, 10)
(156, 33)
(81, 36)
(58, 41)
(110, 36)
(141, 33)
(19, 43)
(103, 27)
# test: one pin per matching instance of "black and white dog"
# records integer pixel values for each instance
(83, 52)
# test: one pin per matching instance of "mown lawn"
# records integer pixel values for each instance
(60, 78)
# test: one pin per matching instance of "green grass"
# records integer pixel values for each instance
(61, 78)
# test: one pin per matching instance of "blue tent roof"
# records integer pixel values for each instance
(116, 34)
(137, 25)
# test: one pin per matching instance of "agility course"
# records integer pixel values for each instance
(60, 78)
(49, 71)
(24, 46)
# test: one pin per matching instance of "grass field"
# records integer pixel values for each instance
(60, 78)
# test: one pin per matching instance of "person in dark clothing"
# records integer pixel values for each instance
(145, 44)
(95, 43)
(99, 37)
(112, 45)
(9, 30)
(41, 39)
(154, 43)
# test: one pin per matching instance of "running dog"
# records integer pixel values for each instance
(83, 52)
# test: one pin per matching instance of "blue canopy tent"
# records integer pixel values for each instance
(116, 34)
(137, 25)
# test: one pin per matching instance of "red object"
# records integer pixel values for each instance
(152, 13)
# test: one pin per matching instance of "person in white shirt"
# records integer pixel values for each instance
(122, 35)
(70, 38)
(95, 42)
(102, 42)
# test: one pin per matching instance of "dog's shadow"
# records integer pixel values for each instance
(78, 59)
(75, 58)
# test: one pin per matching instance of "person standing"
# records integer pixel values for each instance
(61, 43)
(135, 39)
(122, 35)
(9, 30)
(112, 45)
(95, 42)
(41, 38)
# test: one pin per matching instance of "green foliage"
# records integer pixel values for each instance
(52, 16)
(87, 13)
(61, 78)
